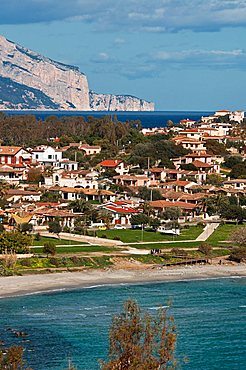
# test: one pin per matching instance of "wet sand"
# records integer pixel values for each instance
(31, 284)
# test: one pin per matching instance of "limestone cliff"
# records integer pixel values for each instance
(66, 87)
(109, 102)
(29, 80)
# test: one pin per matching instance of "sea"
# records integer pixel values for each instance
(148, 119)
(210, 317)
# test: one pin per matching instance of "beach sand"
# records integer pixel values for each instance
(29, 284)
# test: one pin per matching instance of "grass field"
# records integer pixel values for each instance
(134, 236)
(44, 239)
(78, 249)
(166, 245)
(222, 234)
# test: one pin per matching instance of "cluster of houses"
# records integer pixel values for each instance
(182, 188)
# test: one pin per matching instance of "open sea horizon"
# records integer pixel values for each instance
(209, 315)
(148, 119)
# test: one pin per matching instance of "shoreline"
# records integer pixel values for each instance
(13, 286)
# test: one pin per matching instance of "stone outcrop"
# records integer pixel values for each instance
(29, 80)
(109, 102)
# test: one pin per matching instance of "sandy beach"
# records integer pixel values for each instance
(30, 284)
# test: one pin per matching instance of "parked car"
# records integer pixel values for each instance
(119, 227)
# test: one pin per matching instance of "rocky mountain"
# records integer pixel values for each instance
(101, 102)
(29, 80)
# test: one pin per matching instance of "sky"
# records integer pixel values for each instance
(180, 54)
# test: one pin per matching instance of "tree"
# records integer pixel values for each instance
(141, 342)
(232, 160)
(55, 227)
(205, 249)
(172, 213)
(12, 358)
(139, 219)
(49, 248)
(238, 171)
(14, 241)
(238, 253)
(149, 194)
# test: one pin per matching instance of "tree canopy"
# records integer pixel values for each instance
(141, 342)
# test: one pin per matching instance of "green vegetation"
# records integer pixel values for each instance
(131, 236)
(78, 249)
(222, 234)
(44, 239)
(166, 245)
(14, 242)
(62, 262)
(139, 341)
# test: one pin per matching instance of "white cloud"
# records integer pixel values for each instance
(132, 15)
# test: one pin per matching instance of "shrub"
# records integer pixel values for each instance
(54, 261)
(205, 249)
(49, 248)
(27, 262)
(116, 238)
(104, 236)
(37, 237)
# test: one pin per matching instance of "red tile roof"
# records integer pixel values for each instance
(166, 204)
(110, 162)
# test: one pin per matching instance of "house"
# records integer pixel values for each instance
(189, 210)
(90, 149)
(116, 165)
(237, 116)
(46, 155)
(187, 122)
(11, 175)
(14, 195)
(14, 155)
(79, 178)
(239, 184)
(132, 180)
(87, 194)
(121, 213)
(196, 146)
(179, 185)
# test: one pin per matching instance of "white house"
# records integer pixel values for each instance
(79, 178)
(46, 155)
(90, 149)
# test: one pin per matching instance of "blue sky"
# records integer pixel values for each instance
(181, 54)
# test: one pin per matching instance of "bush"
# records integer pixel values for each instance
(49, 248)
(37, 237)
(104, 236)
(66, 229)
(75, 260)
(205, 249)
(54, 261)
(27, 262)
(116, 238)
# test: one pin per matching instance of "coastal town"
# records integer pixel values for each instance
(119, 195)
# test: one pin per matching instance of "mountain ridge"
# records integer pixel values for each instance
(29, 80)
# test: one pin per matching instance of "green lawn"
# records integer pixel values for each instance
(44, 239)
(222, 233)
(77, 249)
(131, 236)
(166, 245)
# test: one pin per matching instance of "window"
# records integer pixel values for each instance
(49, 156)
(36, 156)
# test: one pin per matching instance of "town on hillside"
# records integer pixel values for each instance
(115, 189)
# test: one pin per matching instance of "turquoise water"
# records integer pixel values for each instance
(209, 314)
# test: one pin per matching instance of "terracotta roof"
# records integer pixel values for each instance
(120, 209)
(110, 162)
(9, 150)
(166, 204)
(179, 183)
(201, 164)
(87, 146)
(86, 191)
